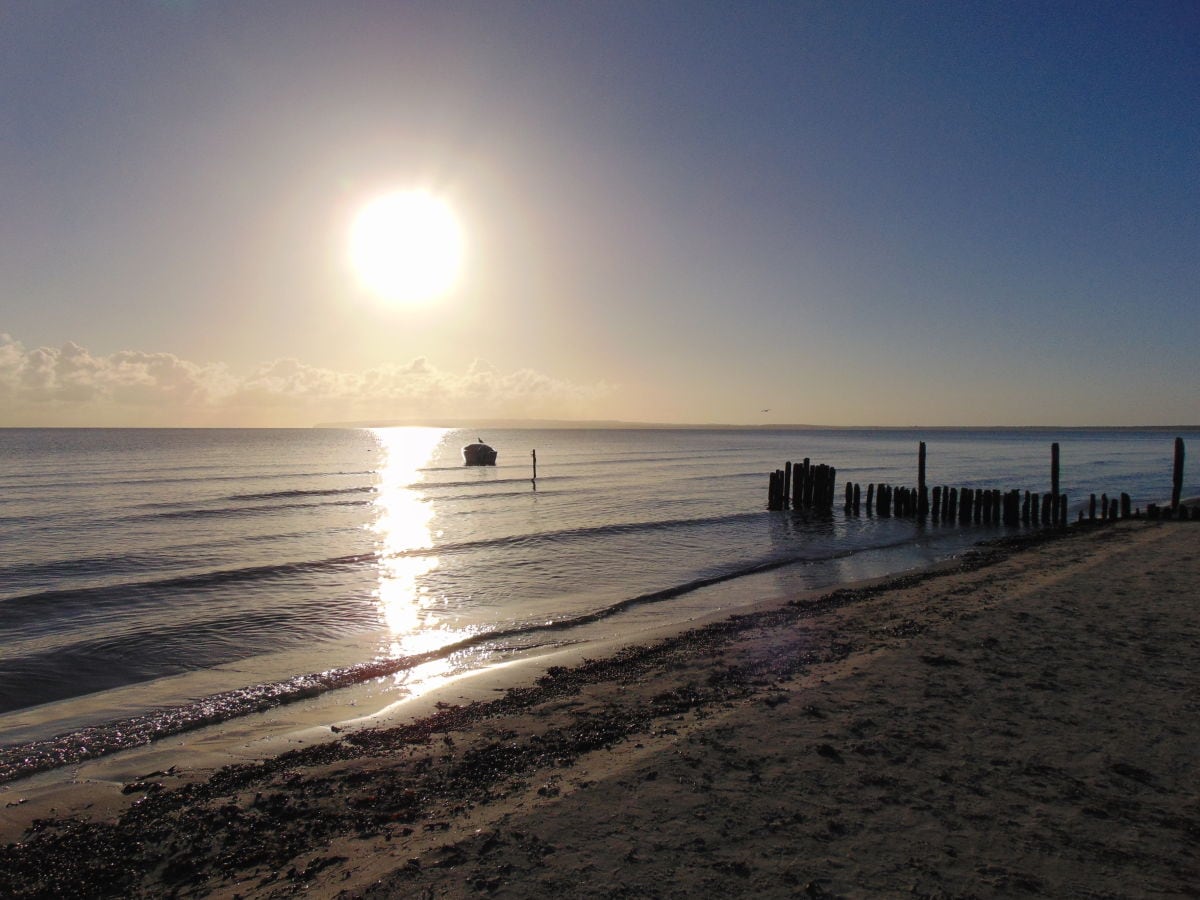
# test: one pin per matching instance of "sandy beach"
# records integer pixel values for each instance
(1021, 722)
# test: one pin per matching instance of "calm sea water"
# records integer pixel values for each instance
(185, 576)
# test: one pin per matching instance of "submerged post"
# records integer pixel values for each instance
(1177, 476)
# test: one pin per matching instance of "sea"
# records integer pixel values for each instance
(154, 581)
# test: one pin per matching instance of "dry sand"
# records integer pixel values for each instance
(1022, 724)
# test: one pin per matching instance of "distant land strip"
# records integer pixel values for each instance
(445, 422)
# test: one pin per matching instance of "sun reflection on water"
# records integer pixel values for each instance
(403, 525)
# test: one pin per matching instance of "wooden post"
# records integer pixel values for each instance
(952, 508)
(787, 483)
(857, 498)
(870, 498)
(533, 453)
(1054, 480)
(1177, 475)
(922, 497)
(1126, 503)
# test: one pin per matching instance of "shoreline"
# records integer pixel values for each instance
(346, 696)
(649, 767)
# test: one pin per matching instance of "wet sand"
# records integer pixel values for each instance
(1021, 723)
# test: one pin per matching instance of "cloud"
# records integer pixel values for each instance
(71, 386)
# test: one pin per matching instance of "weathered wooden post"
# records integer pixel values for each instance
(1054, 480)
(922, 497)
(870, 498)
(533, 453)
(787, 483)
(1177, 475)
(1126, 503)
(857, 498)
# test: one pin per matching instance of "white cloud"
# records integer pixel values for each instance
(71, 386)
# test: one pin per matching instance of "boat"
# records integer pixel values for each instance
(479, 454)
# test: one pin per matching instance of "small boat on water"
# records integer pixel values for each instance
(479, 454)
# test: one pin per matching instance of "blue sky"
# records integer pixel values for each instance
(848, 213)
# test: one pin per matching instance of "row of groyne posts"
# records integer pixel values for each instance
(814, 486)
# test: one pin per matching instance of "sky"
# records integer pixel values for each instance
(831, 213)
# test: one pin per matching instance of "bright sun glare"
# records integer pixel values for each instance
(406, 246)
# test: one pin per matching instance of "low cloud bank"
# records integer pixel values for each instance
(70, 386)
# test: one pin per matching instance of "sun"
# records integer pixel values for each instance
(406, 246)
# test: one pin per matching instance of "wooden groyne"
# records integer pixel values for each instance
(803, 486)
(813, 486)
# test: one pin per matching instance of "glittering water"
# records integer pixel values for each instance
(171, 577)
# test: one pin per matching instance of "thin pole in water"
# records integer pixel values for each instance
(533, 453)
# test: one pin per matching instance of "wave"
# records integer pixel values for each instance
(34, 480)
(109, 661)
(435, 486)
(119, 563)
(229, 511)
(32, 608)
(582, 532)
(26, 759)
